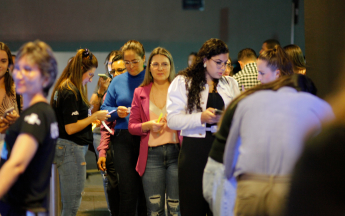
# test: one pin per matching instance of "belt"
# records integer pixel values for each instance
(213, 128)
(266, 178)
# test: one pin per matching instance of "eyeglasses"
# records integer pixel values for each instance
(220, 64)
(155, 65)
(127, 63)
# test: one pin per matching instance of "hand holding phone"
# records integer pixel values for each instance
(7, 111)
(218, 112)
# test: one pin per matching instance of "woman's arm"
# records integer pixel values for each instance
(135, 118)
(22, 153)
(109, 102)
(177, 117)
(81, 124)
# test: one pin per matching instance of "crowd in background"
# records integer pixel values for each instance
(207, 140)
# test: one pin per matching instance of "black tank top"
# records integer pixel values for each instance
(215, 101)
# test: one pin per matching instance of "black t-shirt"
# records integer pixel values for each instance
(218, 146)
(69, 110)
(32, 187)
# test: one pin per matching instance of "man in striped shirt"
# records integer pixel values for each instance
(248, 76)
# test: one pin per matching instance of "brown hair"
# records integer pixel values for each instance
(40, 53)
(277, 59)
(148, 76)
(134, 45)
(72, 75)
(8, 78)
(246, 53)
(195, 74)
(295, 54)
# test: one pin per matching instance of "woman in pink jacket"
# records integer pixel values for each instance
(159, 145)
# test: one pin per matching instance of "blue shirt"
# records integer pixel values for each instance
(270, 127)
(120, 93)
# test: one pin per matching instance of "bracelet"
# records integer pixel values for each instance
(99, 95)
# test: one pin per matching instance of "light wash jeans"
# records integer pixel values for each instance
(161, 175)
(70, 161)
(96, 142)
(218, 191)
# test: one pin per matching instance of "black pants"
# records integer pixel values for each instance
(126, 153)
(113, 184)
(192, 161)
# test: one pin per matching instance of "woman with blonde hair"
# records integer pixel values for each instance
(72, 108)
(159, 145)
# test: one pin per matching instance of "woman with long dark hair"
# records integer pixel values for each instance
(30, 141)
(296, 56)
(196, 98)
(8, 97)
(70, 103)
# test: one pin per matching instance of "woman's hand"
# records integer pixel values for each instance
(101, 163)
(3, 125)
(103, 85)
(209, 117)
(152, 126)
(122, 112)
(101, 115)
(12, 117)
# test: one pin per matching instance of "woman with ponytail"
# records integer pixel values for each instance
(273, 63)
(195, 100)
(72, 108)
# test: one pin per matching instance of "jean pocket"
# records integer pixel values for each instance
(60, 152)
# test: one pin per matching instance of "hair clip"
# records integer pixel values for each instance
(86, 53)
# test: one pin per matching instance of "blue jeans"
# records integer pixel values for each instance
(96, 142)
(70, 161)
(161, 175)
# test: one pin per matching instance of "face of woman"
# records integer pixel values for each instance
(160, 68)
(3, 63)
(88, 75)
(216, 65)
(266, 74)
(109, 62)
(134, 63)
(27, 77)
(118, 68)
(228, 68)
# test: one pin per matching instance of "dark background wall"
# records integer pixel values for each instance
(104, 25)
(325, 43)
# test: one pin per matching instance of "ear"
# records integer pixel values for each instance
(45, 81)
(204, 60)
(277, 72)
(241, 64)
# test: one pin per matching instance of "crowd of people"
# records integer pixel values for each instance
(201, 141)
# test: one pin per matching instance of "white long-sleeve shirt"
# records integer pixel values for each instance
(190, 124)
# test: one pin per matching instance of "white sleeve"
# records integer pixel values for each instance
(234, 85)
(177, 117)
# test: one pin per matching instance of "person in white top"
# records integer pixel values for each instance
(196, 98)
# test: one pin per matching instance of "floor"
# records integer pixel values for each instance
(93, 200)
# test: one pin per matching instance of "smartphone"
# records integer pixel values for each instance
(218, 112)
(104, 76)
(111, 112)
(8, 111)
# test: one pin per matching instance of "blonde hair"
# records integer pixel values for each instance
(148, 76)
(71, 76)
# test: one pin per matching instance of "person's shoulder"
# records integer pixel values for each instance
(38, 112)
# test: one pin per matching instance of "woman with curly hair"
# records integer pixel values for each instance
(195, 100)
